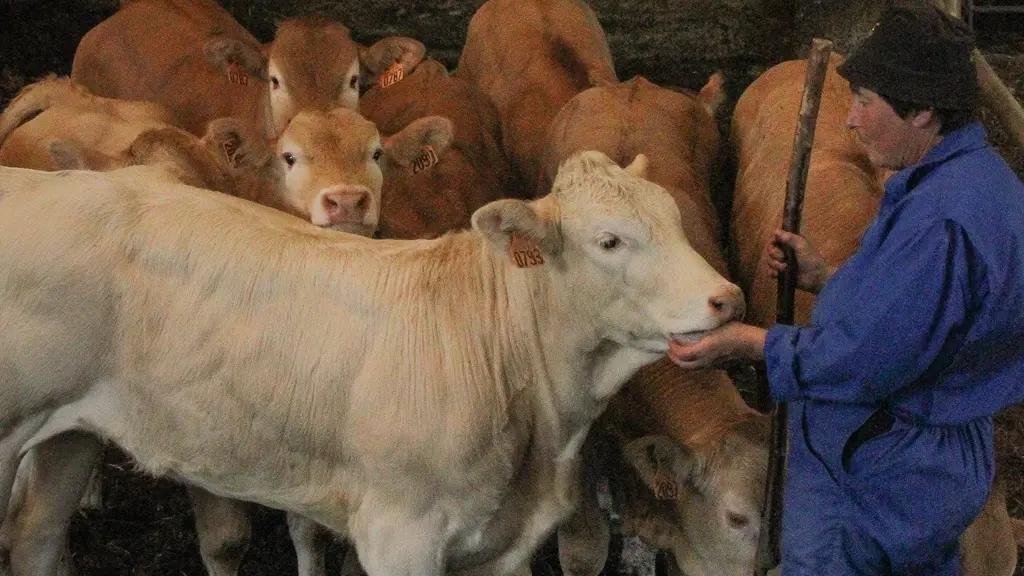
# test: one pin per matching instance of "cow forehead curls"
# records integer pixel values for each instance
(340, 131)
(305, 46)
(590, 183)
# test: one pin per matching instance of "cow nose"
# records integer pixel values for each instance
(344, 205)
(728, 304)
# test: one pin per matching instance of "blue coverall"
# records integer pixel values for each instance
(922, 329)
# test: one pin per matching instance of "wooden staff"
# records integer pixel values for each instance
(769, 544)
(998, 98)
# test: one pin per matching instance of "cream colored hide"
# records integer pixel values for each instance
(714, 522)
(530, 57)
(842, 197)
(260, 358)
(192, 56)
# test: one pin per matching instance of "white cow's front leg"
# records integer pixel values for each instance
(222, 525)
(309, 539)
(15, 436)
(54, 487)
(392, 543)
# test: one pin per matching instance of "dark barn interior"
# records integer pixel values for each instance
(146, 527)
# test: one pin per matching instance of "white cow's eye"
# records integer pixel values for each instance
(377, 154)
(609, 242)
(288, 158)
(274, 82)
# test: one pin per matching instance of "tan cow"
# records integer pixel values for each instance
(327, 167)
(427, 398)
(531, 57)
(194, 57)
(440, 192)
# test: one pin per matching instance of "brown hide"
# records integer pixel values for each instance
(675, 131)
(421, 203)
(56, 124)
(843, 189)
(155, 50)
(530, 58)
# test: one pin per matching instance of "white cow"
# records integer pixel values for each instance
(425, 398)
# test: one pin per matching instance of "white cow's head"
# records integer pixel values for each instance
(616, 243)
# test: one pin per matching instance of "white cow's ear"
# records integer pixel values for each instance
(664, 464)
(407, 145)
(500, 220)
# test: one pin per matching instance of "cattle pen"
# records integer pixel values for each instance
(146, 526)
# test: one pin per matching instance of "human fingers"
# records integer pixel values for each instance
(687, 355)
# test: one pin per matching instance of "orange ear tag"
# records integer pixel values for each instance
(392, 75)
(236, 75)
(665, 487)
(426, 159)
(525, 253)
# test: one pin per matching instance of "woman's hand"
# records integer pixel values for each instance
(812, 270)
(732, 341)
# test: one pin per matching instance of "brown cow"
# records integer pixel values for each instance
(763, 125)
(440, 192)
(530, 58)
(194, 57)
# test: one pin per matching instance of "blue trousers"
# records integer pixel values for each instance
(897, 504)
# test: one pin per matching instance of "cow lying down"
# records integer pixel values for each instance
(425, 398)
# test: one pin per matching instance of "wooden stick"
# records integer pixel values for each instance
(769, 543)
(997, 97)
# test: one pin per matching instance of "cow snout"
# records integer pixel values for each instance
(345, 208)
(728, 304)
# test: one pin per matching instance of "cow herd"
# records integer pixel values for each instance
(425, 311)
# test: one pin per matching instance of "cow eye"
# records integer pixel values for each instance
(353, 82)
(610, 242)
(274, 82)
(288, 158)
(377, 154)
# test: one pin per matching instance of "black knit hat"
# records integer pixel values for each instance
(918, 54)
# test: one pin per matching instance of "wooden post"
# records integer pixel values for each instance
(769, 543)
(997, 97)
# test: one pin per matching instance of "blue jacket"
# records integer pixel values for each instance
(925, 320)
(927, 317)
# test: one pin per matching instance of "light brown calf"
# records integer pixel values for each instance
(531, 57)
(194, 57)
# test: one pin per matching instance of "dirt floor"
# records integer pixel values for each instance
(146, 528)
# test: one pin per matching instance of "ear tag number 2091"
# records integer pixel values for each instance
(426, 159)
(525, 253)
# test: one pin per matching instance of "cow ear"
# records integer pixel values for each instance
(233, 144)
(529, 223)
(222, 52)
(183, 155)
(67, 155)
(638, 167)
(408, 144)
(385, 52)
(712, 95)
(664, 464)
